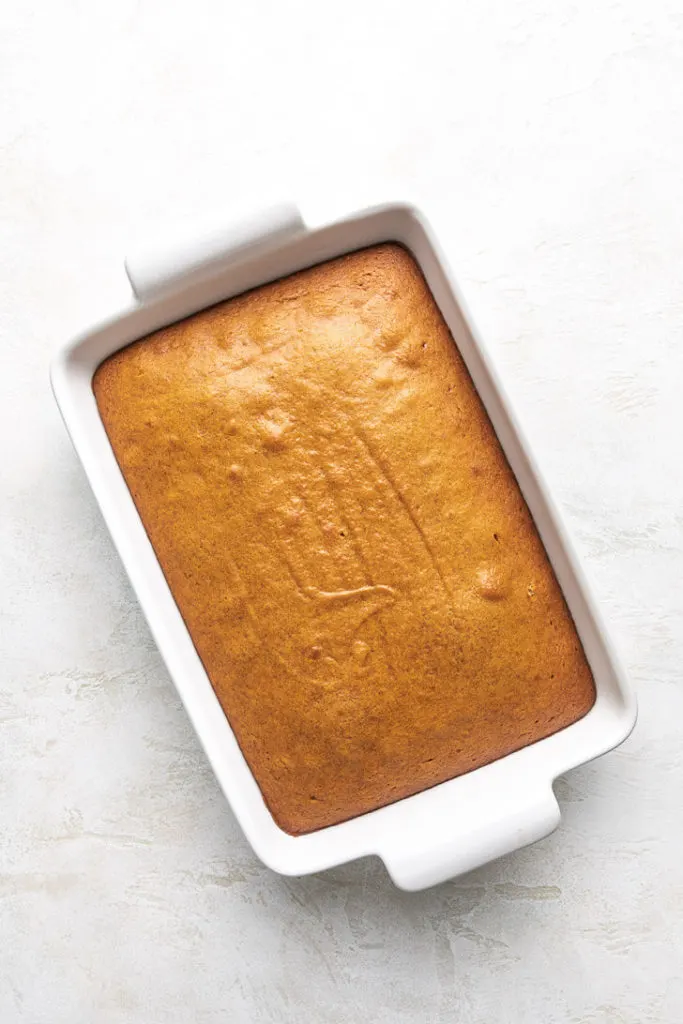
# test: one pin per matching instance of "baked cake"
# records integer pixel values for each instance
(344, 538)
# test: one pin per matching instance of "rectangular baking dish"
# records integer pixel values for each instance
(453, 827)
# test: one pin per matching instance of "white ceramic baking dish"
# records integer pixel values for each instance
(458, 825)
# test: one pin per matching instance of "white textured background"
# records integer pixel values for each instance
(546, 142)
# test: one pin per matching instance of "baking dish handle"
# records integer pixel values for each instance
(434, 855)
(186, 256)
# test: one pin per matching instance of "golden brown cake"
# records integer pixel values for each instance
(344, 538)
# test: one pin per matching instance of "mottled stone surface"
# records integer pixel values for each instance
(544, 141)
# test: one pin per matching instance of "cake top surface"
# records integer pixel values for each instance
(344, 538)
